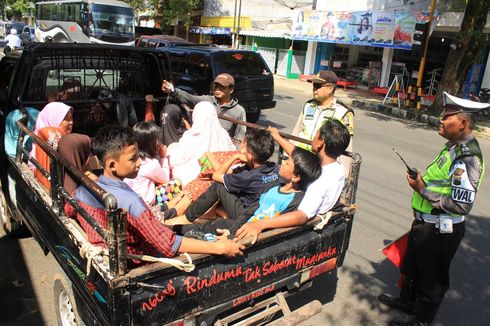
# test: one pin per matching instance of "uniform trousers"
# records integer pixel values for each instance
(426, 267)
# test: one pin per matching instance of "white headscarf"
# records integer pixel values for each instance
(205, 135)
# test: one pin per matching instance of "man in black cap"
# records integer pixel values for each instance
(222, 88)
(323, 106)
(441, 199)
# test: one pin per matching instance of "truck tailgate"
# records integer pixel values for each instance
(218, 284)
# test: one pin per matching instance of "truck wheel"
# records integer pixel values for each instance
(64, 302)
(253, 116)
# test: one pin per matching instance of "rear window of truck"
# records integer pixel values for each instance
(239, 63)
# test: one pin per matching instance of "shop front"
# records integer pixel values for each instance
(219, 30)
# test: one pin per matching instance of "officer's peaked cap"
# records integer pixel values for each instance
(462, 105)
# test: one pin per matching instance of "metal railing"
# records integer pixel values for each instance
(115, 236)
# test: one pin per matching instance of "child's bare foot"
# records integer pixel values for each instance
(174, 201)
(184, 202)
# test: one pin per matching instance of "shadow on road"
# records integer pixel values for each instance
(323, 289)
(19, 305)
(467, 300)
(408, 123)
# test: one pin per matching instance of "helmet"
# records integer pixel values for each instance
(13, 31)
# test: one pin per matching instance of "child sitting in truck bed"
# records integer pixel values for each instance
(237, 191)
(329, 142)
(117, 150)
(296, 173)
(154, 173)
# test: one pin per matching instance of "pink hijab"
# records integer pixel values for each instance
(52, 115)
(205, 135)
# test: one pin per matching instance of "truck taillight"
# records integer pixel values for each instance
(319, 269)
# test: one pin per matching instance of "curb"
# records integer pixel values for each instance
(410, 115)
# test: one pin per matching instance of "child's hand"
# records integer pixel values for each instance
(223, 234)
(167, 87)
(241, 156)
(229, 248)
(274, 132)
(186, 123)
(251, 229)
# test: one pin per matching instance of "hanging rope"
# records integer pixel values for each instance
(324, 221)
(90, 251)
(180, 265)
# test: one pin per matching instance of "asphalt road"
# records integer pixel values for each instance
(383, 215)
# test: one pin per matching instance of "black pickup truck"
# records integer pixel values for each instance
(96, 286)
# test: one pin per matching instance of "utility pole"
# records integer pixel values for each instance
(424, 55)
(239, 19)
(233, 32)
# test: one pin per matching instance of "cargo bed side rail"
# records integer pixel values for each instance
(115, 236)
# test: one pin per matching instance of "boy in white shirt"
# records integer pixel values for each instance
(330, 142)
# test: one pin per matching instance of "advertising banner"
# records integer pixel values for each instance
(378, 28)
(384, 28)
(404, 29)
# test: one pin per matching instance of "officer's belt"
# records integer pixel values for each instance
(434, 219)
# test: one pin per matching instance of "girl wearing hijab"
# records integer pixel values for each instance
(75, 149)
(205, 135)
(53, 122)
(172, 125)
(12, 131)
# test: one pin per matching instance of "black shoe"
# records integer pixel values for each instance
(193, 234)
(396, 303)
(410, 322)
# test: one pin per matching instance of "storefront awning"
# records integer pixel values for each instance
(210, 30)
(277, 28)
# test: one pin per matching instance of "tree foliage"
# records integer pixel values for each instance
(17, 8)
(173, 11)
(465, 49)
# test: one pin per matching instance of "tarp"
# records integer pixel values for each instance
(264, 33)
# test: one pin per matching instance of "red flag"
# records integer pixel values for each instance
(395, 251)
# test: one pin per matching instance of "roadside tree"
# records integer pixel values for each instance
(465, 49)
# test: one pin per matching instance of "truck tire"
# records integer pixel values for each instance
(65, 304)
(253, 116)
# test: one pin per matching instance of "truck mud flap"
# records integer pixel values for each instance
(260, 312)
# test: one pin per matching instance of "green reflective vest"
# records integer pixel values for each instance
(314, 117)
(438, 176)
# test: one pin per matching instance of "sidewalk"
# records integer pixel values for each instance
(361, 98)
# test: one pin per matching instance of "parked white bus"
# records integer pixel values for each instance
(85, 21)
